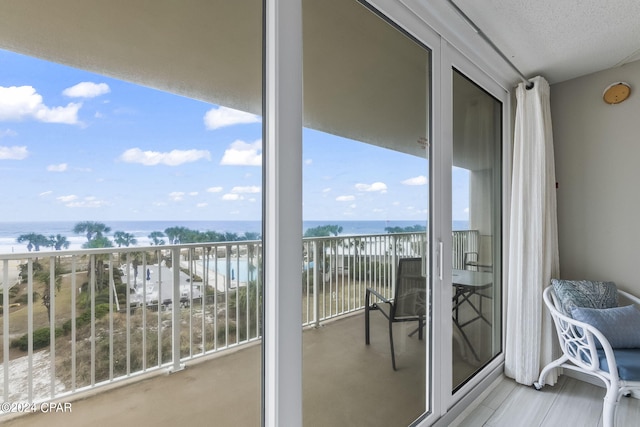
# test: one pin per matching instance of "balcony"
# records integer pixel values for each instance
(139, 316)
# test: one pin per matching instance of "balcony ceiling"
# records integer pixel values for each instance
(211, 51)
(560, 39)
(180, 47)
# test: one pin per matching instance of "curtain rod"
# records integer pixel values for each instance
(528, 83)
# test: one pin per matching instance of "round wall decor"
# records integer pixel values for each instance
(616, 93)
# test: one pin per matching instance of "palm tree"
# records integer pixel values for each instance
(323, 231)
(91, 229)
(58, 242)
(34, 241)
(251, 235)
(212, 236)
(175, 234)
(44, 276)
(98, 242)
(156, 238)
(230, 237)
(122, 238)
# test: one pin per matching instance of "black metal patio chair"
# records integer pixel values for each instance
(408, 304)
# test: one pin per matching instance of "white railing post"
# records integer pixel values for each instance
(52, 326)
(394, 264)
(29, 329)
(5, 328)
(175, 312)
(316, 286)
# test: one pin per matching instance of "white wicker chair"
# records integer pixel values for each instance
(578, 344)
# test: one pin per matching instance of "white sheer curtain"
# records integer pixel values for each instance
(533, 243)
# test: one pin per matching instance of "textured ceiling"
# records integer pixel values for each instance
(560, 39)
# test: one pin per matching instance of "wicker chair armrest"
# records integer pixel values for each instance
(578, 340)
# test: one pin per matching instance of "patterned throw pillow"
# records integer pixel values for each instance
(620, 325)
(585, 293)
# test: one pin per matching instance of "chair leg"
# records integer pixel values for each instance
(540, 383)
(366, 323)
(609, 407)
(393, 354)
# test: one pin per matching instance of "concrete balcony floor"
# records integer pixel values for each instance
(345, 383)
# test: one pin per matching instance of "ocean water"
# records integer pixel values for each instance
(9, 231)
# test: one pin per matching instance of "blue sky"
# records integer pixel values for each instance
(79, 146)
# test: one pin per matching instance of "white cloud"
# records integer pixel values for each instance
(376, 186)
(68, 114)
(217, 118)
(176, 195)
(231, 197)
(171, 158)
(67, 199)
(417, 180)
(242, 153)
(86, 90)
(8, 132)
(202, 205)
(308, 161)
(247, 189)
(57, 168)
(13, 153)
(353, 206)
(45, 193)
(214, 189)
(87, 202)
(326, 190)
(19, 103)
(193, 193)
(345, 198)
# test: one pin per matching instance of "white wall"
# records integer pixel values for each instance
(597, 149)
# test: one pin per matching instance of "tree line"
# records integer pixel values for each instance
(97, 237)
(334, 230)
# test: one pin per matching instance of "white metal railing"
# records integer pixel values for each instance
(97, 316)
(465, 248)
(337, 270)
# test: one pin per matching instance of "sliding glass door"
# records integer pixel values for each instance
(476, 228)
(365, 208)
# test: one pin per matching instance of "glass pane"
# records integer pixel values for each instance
(163, 188)
(477, 180)
(366, 206)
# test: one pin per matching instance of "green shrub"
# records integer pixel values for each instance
(85, 318)
(40, 339)
(66, 327)
(14, 291)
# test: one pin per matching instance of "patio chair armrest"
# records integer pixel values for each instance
(377, 294)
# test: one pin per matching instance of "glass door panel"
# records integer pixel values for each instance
(366, 208)
(476, 214)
